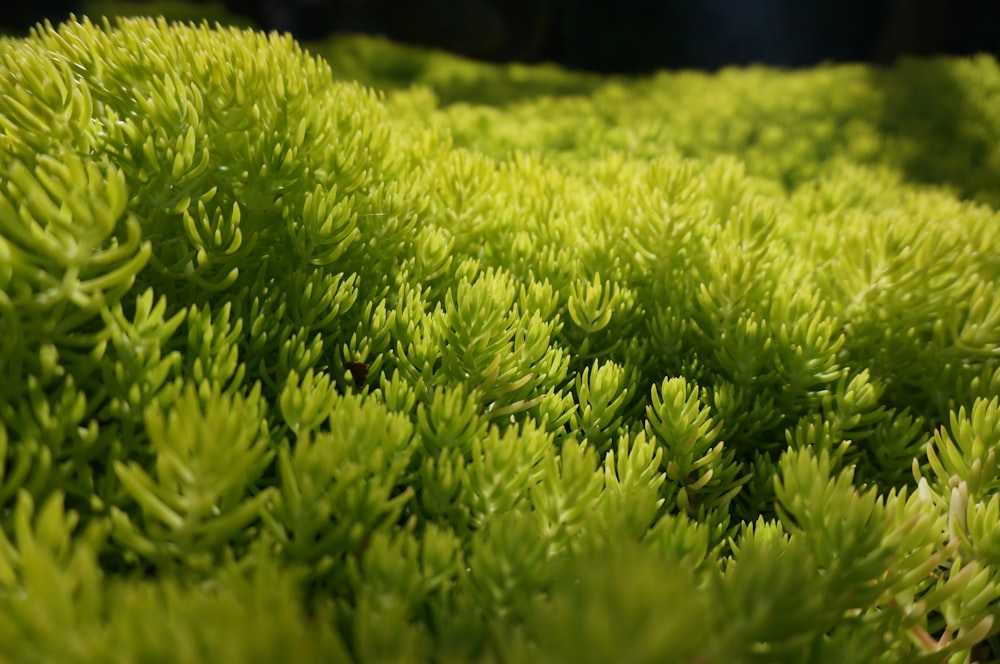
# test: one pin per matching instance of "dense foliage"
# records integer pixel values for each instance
(689, 368)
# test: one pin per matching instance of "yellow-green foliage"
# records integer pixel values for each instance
(555, 369)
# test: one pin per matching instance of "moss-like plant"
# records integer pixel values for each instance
(557, 369)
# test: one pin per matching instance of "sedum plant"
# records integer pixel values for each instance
(687, 368)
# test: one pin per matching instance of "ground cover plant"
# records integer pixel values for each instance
(491, 363)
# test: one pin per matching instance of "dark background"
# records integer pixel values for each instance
(627, 36)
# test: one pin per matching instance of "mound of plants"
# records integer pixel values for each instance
(371, 354)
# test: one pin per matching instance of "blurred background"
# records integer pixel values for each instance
(622, 36)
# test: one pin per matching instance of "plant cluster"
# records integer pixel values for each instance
(684, 369)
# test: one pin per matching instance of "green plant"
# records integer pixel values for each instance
(687, 368)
